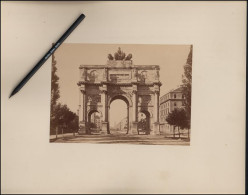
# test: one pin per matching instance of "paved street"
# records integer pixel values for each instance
(120, 139)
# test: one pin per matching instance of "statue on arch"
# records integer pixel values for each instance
(120, 55)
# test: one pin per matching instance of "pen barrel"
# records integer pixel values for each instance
(48, 54)
(30, 74)
(71, 28)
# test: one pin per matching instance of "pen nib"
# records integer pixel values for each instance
(13, 93)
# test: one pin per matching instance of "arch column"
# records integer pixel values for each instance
(156, 106)
(105, 110)
(128, 120)
(80, 117)
(134, 114)
(83, 109)
(156, 130)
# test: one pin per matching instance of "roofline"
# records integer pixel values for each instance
(161, 102)
(172, 91)
(98, 66)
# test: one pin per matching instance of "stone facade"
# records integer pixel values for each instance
(137, 85)
(168, 102)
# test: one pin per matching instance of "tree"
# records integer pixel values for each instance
(187, 85)
(74, 123)
(54, 94)
(61, 116)
(178, 118)
(65, 119)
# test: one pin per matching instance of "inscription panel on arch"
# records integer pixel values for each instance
(119, 76)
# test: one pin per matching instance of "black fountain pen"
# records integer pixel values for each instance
(47, 55)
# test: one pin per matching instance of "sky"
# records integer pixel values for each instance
(69, 56)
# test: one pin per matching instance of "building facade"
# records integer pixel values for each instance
(122, 125)
(168, 102)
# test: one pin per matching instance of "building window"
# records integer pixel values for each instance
(175, 96)
(175, 104)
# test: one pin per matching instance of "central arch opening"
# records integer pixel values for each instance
(118, 115)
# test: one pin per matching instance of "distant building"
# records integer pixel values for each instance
(168, 102)
(122, 125)
(96, 119)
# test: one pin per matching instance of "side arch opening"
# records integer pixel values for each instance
(144, 122)
(94, 122)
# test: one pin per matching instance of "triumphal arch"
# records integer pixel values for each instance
(137, 85)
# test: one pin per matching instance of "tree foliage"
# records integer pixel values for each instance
(54, 93)
(55, 85)
(187, 85)
(178, 118)
(64, 118)
(61, 116)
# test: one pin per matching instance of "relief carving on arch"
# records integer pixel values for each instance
(93, 76)
(120, 90)
(144, 100)
(93, 99)
(150, 110)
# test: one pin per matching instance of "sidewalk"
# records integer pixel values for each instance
(122, 139)
(62, 135)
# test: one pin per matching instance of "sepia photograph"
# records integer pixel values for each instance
(121, 94)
